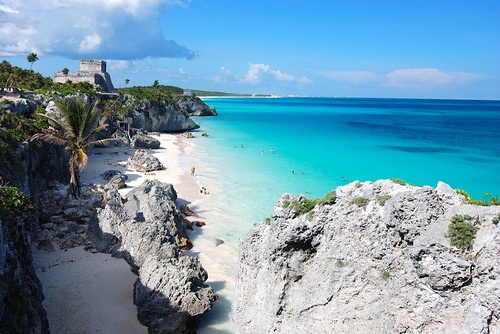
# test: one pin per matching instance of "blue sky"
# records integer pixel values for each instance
(403, 48)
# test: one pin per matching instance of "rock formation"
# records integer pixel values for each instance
(148, 231)
(375, 259)
(194, 106)
(144, 141)
(21, 295)
(158, 116)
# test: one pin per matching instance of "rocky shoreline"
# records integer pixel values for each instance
(378, 265)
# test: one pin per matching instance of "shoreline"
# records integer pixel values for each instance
(78, 281)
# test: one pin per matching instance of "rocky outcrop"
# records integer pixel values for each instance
(374, 260)
(144, 141)
(146, 229)
(194, 106)
(21, 293)
(158, 116)
(142, 161)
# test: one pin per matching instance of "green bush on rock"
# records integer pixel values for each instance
(461, 231)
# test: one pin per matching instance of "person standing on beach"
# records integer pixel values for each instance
(192, 171)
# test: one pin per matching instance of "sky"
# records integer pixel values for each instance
(353, 48)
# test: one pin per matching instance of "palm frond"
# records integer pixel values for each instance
(51, 119)
(50, 138)
(102, 142)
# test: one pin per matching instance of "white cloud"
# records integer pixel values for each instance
(90, 43)
(225, 71)
(117, 65)
(351, 77)
(258, 73)
(111, 29)
(427, 78)
(182, 71)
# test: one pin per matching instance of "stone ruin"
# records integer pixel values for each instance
(91, 70)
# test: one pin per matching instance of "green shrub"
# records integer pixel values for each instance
(398, 181)
(286, 203)
(340, 263)
(305, 206)
(13, 202)
(489, 199)
(360, 201)
(384, 199)
(329, 198)
(496, 219)
(461, 231)
(267, 221)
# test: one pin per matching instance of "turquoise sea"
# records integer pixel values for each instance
(321, 143)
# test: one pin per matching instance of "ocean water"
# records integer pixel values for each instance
(260, 148)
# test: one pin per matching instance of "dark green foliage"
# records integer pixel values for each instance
(13, 202)
(461, 231)
(360, 201)
(489, 199)
(16, 77)
(384, 199)
(69, 88)
(398, 181)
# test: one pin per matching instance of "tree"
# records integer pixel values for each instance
(65, 71)
(127, 81)
(32, 57)
(75, 132)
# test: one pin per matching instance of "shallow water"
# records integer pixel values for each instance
(327, 142)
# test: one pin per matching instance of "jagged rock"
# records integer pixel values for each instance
(142, 161)
(109, 174)
(389, 268)
(200, 224)
(194, 106)
(218, 242)
(21, 293)
(144, 141)
(117, 182)
(187, 211)
(159, 116)
(147, 230)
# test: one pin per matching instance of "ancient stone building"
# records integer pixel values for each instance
(93, 71)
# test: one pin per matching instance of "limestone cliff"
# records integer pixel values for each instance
(375, 259)
(147, 230)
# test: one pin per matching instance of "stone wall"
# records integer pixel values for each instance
(91, 70)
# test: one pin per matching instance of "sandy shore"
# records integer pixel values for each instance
(92, 293)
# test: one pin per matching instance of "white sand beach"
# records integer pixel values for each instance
(92, 293)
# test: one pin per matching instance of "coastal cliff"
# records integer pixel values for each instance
(370, 258)
(36, 169)
(147, 230)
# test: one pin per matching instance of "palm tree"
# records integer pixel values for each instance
(127, 81)
(32, 57)
(75, 131)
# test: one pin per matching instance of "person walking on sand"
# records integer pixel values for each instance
(192, 171)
